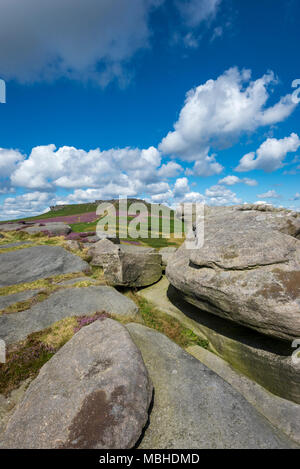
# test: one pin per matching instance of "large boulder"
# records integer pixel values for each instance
(94, 393)
(265, 360)
(30, 264)
(195, 408)
(132, 266)
(166, 254)
(282, 414)
(97, 250)
(248, 269)
(65, 303)
(55, 229)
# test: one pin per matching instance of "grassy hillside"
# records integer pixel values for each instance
(83, 217)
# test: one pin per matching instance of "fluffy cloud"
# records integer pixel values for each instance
(217, 113)
(270, 154)
(71, 168)
(82, 39)
(32, 203)
(195, 12)
(220, 195)
(207, 166)
(170, 170)
(181, 187)
(231, 180)
(269, 195)
(9, 159)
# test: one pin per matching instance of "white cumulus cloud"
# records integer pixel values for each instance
(216, 113)
(232, 180)
(271, 194)
(270, 155)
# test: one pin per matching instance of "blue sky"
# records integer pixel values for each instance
(169, 100)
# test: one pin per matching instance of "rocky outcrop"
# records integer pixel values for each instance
(54, 229)
(166, 254)
(193, 407)
(282, 414)
(100, 248)
(65, 303)
(7, 227)
(132, 266)
(263, 359)
(72, 245)
(248, 269)
(8, 300)
(94, 393)
(14, 245)
(30, 264)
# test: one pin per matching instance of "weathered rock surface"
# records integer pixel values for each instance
(77, 280)
(72, 245)
(248, 269)
(14, 245)
(194, 407)
(94, 393)
(282, 414)
(55, 228)
(7, 227)
(29, 264)
(132, 266)
(99, 249)
(61, 304)
(166, 254)
(8, 300)
(263, 359)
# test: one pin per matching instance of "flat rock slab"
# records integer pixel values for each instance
(56, 229)
(193, 406)
(61, 304)
(8, 300)
(15, 245)
(6, 227)
(30, 264)
(263, 359)
(283, 414)
(94, 393)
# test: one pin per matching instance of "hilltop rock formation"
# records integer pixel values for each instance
(248, 269)
(94, 393)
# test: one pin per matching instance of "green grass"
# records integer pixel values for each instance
(167, 325)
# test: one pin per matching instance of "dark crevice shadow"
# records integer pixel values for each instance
(136, 446)
(228, 328)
